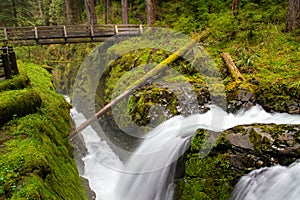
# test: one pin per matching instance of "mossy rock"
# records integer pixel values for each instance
(206, 178)
(18, 103)
(18, 82)
(145, 98)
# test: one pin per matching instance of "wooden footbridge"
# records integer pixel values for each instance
(55, 35)
(66, 34)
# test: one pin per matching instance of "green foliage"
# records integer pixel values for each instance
(276, 14)
(57, 12)
(185, 24)
(224, 27)
(62, 60)
(15, 12)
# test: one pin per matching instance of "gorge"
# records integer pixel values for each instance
(149, 172)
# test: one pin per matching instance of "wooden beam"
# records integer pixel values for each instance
(6, 64)
(5, 34)
(13, 60)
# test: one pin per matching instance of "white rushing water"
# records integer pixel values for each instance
(276, 183)
(148, 173)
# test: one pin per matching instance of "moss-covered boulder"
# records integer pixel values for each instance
(238, 151)
(18, 103)
(18, 82)
(35, 154)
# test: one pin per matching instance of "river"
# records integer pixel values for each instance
(148, 173)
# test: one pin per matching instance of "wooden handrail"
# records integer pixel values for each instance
(41, 34)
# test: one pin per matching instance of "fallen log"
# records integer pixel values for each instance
(234, 71)
(153, 72)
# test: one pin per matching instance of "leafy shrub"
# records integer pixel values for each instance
(224, 27)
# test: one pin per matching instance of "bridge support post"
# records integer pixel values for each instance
(141, 28)
(116, 29)
(13, 60)
(36, 34)
(9, 62)
(6, 64)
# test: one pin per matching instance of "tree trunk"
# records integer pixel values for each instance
(234, 7)
(69, 11)
(41, 10)
(125, 11)
(90, 12)
(107, 10)
(293, 15)
(14, 9)
(150, 10)
(234, 71)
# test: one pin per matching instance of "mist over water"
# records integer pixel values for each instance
(149, 171)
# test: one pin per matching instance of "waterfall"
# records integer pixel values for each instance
(149, 171)
(276, 183)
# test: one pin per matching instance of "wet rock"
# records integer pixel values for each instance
(293, 107)
(240, 140)
(90, 194)
(241, 97)
(245, 95)
(80, 151)
(266, 139)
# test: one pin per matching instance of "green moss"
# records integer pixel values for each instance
(143, 99)
(209, 178)
(35, 160)
(204, 189)
(260, 142)
(18, 82)
(18, 103)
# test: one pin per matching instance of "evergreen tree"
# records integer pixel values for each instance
(151, 12)
(90, 12)
(124, 11)
(293, 15)
(15, 13)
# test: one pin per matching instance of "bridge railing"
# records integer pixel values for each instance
(43, 33)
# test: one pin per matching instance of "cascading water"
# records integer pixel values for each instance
(149, 171)
(276, 183)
